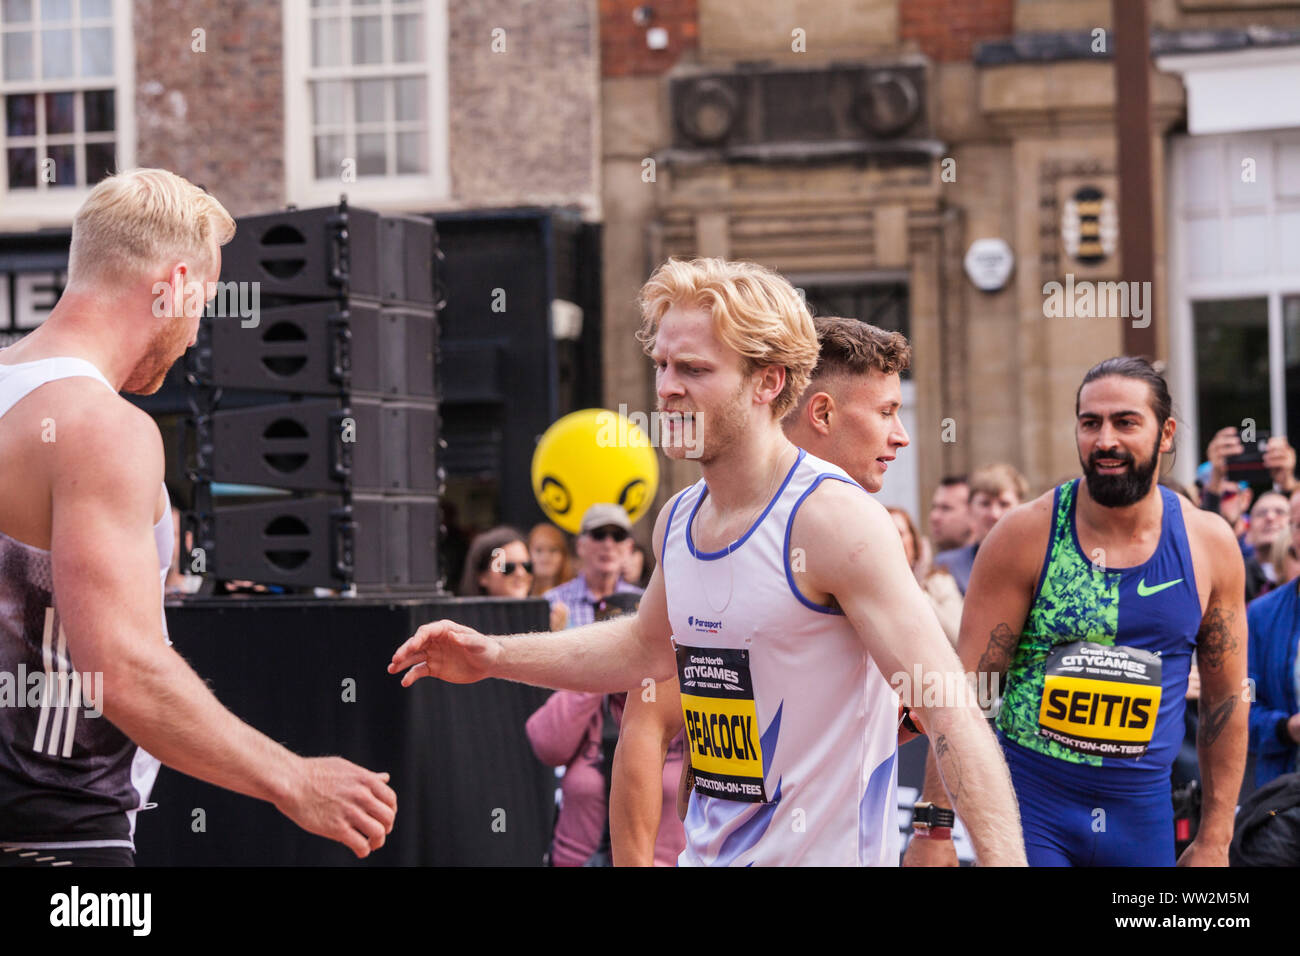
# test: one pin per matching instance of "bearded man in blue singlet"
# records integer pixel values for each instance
(1090, 601)
(781, 598)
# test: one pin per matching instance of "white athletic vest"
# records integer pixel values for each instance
(66, 778)
(791, 728)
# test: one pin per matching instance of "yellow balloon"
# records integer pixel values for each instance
(593, 457)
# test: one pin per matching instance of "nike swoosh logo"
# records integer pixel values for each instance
(1144, 591)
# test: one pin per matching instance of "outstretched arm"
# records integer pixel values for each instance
(604, 657)
(1221, 735)
(855, 555)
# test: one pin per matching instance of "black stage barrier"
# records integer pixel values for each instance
(312, 675)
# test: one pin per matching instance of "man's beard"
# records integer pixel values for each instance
(148, 376)
(1123, 489)
(719, 431)
(707, 435)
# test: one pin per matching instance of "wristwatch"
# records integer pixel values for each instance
(934, 823)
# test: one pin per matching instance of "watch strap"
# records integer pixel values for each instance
(927, 816)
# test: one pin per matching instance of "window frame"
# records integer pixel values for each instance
(903, 490)
(24, 210)
(1185, 287)
(388, 193)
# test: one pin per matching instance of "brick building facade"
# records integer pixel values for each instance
(222, 93)
(1011, 133)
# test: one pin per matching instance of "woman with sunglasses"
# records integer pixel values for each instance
(497, 565)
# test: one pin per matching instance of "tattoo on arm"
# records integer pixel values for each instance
(1001, 648)
(949, 765)
(1215, 640)
(1213, 722)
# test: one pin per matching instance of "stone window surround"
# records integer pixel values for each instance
(25, 211)
(387, 194)
(1185, 289)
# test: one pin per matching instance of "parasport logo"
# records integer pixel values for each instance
(703, 626)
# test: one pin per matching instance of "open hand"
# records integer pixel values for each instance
(447, 650)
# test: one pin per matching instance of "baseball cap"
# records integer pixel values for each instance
(598, 516)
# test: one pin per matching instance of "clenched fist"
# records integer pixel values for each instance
(334, 798)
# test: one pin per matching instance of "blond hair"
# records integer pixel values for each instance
(755, 312)
(993, 480)
(144, 218)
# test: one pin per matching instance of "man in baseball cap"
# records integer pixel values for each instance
(604, 542)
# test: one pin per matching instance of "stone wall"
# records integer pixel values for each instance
(524, 103)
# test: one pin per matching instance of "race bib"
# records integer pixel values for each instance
(1100, 700)
(722, 731)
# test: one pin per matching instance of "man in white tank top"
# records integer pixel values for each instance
(848, 416)
(781, 598)
(85, 542)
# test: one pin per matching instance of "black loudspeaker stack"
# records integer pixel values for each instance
(320, 406)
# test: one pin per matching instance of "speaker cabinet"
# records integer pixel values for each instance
(335, 250)
(322, 348)
(379, 542)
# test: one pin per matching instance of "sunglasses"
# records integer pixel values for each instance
(600, 534)
(509, 567)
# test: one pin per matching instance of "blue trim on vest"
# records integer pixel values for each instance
(785, 549)
(663, 548)
(714, 555)
(881, 784)
(1178, 528)
(746, 836)
(1051, 543)
(767, 740)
